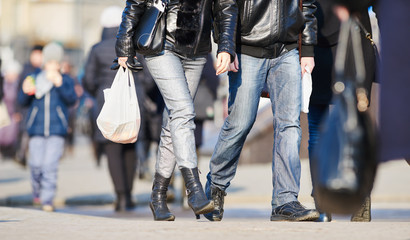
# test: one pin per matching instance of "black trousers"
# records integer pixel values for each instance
(122, 163)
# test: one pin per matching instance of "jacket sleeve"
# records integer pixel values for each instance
(309, 38)
(23, 99)
(67, 92)
(89, 78)
(130, 18)
(225, 14)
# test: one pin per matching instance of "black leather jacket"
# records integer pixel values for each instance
(222, 14)
(267, 25)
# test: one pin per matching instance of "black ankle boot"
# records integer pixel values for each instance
(197, 199)
(217, 196)
(158, 202)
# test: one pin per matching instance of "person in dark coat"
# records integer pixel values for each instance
(324, 73)
(33, 66)
(394, 18)
(122, 158)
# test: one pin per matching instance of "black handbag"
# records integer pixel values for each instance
(345, 160)
(149, 36)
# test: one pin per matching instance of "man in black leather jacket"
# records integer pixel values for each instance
(267, 52)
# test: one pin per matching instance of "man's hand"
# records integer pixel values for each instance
(234, 67)
(307, 61)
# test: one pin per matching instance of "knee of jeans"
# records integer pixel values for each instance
(242, 124)
(185, 113)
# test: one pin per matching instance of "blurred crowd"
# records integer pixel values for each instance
(124, 161)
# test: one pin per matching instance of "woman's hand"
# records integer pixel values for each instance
(308, 62)
(123, 61)
(222, 62)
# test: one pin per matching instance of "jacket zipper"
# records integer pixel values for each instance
(198, 38)
(47, 115)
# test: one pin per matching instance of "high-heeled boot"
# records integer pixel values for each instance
(197, 199)
(158, 203)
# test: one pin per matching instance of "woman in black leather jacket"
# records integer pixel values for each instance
(177, 71)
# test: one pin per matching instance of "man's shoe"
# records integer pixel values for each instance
(364, 213)
(218, 196)
(294, 211)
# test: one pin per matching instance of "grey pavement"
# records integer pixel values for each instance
(85, 194)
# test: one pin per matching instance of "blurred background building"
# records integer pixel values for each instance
(73, 23)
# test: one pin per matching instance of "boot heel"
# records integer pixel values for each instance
(158, 203)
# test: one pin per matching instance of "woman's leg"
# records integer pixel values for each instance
(177, 79)
(121, 165)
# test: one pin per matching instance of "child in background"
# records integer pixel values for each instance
(48, 95)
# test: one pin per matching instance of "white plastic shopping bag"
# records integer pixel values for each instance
(119, 119)
(306, 90)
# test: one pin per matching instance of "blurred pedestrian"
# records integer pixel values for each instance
(9, 134)
(48, 95)
(67, 68)
(176, 71)
(394, 18)
(267, 53)
(205, 98)
(323, 77)
(122, 158)
(33, 66)
(1, 83)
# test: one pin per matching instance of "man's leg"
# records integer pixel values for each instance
(245, 88)
(284, 83)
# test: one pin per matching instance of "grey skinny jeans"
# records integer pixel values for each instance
(177, 78)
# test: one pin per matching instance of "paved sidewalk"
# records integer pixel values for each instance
(23, 224)
(85, 211)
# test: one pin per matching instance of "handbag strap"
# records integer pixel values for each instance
(369, 37)
(364, 30)
(349, 29)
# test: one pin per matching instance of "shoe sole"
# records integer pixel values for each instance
(309, 217)
(206, 209)
(170, 218)
(212, 218)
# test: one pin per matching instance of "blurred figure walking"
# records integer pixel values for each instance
(122, 158)
(48, 95)
(33, 66)
(9, 134)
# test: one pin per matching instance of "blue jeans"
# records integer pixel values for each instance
(283, 78)
(45, 153)
(177, 78)
(316, 115)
